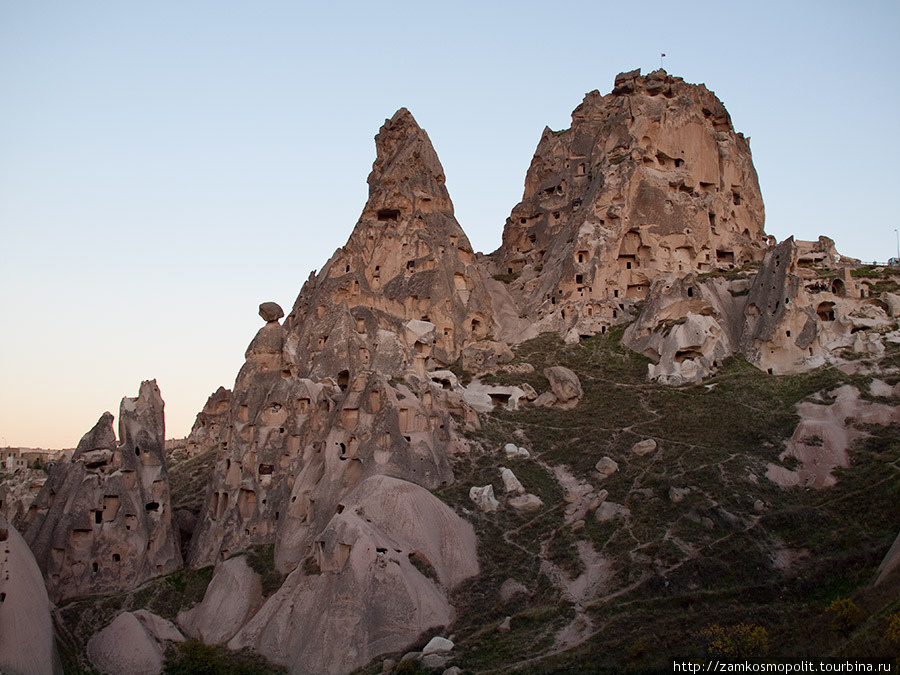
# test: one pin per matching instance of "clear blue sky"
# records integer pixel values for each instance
(167, 166)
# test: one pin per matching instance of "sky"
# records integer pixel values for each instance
(165, 167)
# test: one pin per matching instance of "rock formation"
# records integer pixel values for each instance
(408, 268)
(134, 643)
(376, 580)
(650, 179)
(329, 404)
(27, 641)
(786, 317)
(102, 521)
(344, 416)
(210, 427)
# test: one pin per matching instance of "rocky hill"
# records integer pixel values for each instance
(638, 431)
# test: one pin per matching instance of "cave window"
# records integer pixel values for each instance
(151, 506)
(690, 291)
(388, 214)
(523, 220)
(410, 264)
(556, 215)
(116, 557)
(736, 197)
(614, 314)
(95, 566)
(98, 517)
(475, 324)
(628, 265)
(678, 162)
(348, 268)
(788, 333)
(616, 293)
(579, 278)
(825, 311)
(343, 379)
(838, 288)
(137, 451)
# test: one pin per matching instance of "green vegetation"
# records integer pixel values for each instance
(195, 658)
(165, 596)
(764, 563)
(261, 560)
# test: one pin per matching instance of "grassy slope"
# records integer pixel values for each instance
(678, 567)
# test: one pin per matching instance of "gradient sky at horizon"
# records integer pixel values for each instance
(165, 167)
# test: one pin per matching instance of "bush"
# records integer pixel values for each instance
(844, 616)
(739, 641)
(892, 634)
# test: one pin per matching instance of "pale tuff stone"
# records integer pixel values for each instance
(484, 498)
(27, 641)
(644, 447)
(606, 467)
(108, 507)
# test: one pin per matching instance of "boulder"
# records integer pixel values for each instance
(610, 511)
(231, 598)
(437, 645)
(125, 647)
(606, 467)
(362, 586)
(510, 482)
(644, 447)
(565, 386)
(526, 502)
(677, 495)
(484, 498)
(270, 311)
(546, 400)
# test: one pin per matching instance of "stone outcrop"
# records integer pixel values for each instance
(376, 579)
(565, 385)
(102, 522)
(132, 644)
(27, 641)
(786, 317)
(407, 260)
(18, 492)
(231, 598)
(649, 180)
(211, 425)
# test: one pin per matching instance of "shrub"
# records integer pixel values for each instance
(739, 641)
(844, 616)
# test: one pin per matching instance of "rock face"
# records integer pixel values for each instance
(649, 180)
(336, 419)
(231, 598)
(133, 644)
(785, 317)
(375, 581)
(27, 642)
(102, 522)
(210, 427)
(407, 260)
